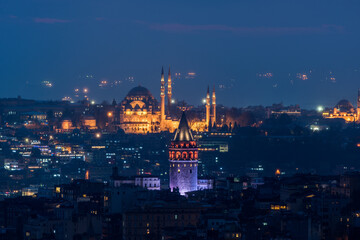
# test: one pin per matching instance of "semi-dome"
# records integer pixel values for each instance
(344, 105)
(139, 91)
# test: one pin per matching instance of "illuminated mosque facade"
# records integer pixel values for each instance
(140, 112)
(345, 110)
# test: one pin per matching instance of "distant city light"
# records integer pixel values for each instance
(320, 108)
(103, 83)
(302, 76)
(66, 99)
(97, 135)
(265, 75)
(110, 114)
(92, 102)
(172, 100)
(316, 129)
(204, 100)
(47, 84)
(190, 75)
(85, 90)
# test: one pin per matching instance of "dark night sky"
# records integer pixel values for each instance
(224, 42)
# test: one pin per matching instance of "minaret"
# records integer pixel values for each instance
(358, 107)
(183, 159)
(208, 107)
(169, 93)
(213, 118)
(162, 96)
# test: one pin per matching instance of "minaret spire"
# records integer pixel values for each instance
(358, 107)
(213, 117)
(162, 96)
(208, 107)
(169, 92)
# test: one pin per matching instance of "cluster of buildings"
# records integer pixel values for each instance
(136, 170)
(104, 201)
(138, 113)
(292, 208)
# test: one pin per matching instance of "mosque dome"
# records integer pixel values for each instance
(139, 91)
(344, 105)
(139, 100)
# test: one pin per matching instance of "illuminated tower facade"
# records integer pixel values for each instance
(183, 159)
(162, 96)
(169, 93)
(208, 107)
(213, 117)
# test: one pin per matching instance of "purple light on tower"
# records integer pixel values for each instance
(183, 158)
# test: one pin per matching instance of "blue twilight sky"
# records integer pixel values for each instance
(253, 51)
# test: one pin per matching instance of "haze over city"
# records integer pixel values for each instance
(231, 45)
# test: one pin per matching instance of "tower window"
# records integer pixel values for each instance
(179, 170)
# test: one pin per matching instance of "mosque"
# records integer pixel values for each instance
(345, 110)
(140, 112)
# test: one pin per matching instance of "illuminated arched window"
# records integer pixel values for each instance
(191, 155)
(178, 155)
(172, 155)
(184, 155)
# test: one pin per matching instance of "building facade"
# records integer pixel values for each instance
(139, 112)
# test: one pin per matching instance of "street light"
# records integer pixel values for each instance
(320, 108)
